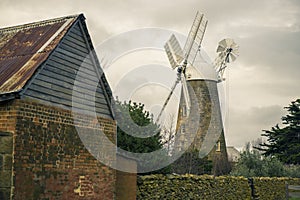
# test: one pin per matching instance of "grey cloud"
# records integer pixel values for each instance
(277, 48)
(248, 125)
(266, 72)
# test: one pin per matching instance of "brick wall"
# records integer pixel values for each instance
(50, 161)
(7, 117)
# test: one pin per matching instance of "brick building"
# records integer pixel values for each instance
(41, 154)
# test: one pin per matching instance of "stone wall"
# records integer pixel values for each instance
(5, 164)
(50, 161)
(7, 128)
(205, 103)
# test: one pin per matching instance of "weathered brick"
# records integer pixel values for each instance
(49, 156)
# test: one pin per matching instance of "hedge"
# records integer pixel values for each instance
(273, 188)
(208, 187)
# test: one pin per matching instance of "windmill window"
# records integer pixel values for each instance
(218, 149)
(183, 129)
(184, 111)
(181, 145)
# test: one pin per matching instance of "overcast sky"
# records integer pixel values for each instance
(263, 80)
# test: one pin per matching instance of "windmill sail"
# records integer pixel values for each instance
(227, 51)
(195, 38)
(174, 51)
(186, 94)
(177, 55)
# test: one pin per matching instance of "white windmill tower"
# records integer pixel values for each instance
(199, 91)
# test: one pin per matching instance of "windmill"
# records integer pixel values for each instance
(209, 137)
(227, 52)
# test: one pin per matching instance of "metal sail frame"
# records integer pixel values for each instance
(181, 58)
(227, 52)
(195, 38)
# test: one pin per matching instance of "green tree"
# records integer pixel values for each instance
(253, 164)
(134, 122)
(284, 143)
(137, 133)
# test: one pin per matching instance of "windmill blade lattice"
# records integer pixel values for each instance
(227, 51)
(195, 38)
(180, 58)
(174, 51)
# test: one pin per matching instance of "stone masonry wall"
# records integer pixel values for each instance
(203, 93)
(50, 161)
(7, 128)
